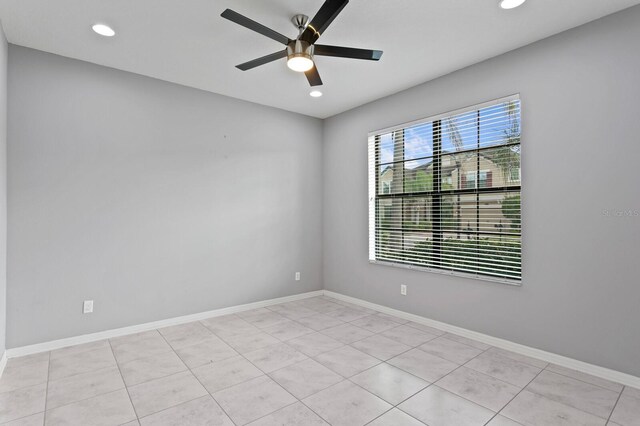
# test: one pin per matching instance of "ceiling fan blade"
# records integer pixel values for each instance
(262, 60)
(313, 77)
(327, 13)
(347, 52)
(255, 26)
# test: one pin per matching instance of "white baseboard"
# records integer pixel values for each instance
(107, 334)
(602, 372)
(594, 370)
(3, 363)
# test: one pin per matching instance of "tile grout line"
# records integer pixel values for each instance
(315, 393)
(90, 397)
(46, 383)
(465, 398)
(430, 384)
(22, 418)
(25, 386)
(615, 405)
(171, 349)
(385, 362)
(313, 358)
(194, 376)
(515, 396)
(274, 381)
(393, 406)
(498, 379)
(123, 382)
(583, 381)
(340, 301)
(418, 348)
(148, 380)
(46, 394)
(82, 372)
(571, 406)
(520, 360)
(521, 390)
(264, 373)
(296, 398)
(349, 379)
(436, 385)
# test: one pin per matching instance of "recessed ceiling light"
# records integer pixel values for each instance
(104, 30)
(510, 4)
(315, 93)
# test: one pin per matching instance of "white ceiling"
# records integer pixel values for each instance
(187, 42)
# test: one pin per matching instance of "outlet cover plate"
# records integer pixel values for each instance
(87, 307)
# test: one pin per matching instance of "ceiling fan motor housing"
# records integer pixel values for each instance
(299, 49)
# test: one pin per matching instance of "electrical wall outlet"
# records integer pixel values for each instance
(403, 289)
(297, 276)
(87, 307)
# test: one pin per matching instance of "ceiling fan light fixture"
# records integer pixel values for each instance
(511, 4)
(300, 63)
(300, 56)
(103, 30)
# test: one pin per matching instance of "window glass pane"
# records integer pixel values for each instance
(499, 256)
(418, 248)
(458, 214)
(500, 124)
(389, 245)
(388, 180)
(385, 148)
(500, 213)
(460, 170)
(460, 132)
(418, 175)
(416, 214)
(418, 141)
(455, 169)
(389, 212)
(459, 253)
(501, 167)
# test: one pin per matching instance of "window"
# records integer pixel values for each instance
(445, 193)
(514, 174)
(484, 177)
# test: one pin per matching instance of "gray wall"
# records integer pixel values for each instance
(580, 295)
(152, 199)
(3, 188)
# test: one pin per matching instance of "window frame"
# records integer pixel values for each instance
(437, 157)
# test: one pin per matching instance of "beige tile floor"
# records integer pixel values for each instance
(312, 362)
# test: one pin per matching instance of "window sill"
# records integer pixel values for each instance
(507, 281)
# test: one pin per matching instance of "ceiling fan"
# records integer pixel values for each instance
(301, 50)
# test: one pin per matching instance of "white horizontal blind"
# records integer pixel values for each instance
(444, 192)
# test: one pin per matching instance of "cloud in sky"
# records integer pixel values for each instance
(494, 125)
